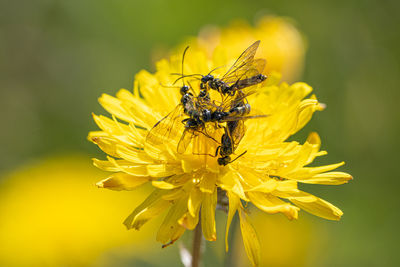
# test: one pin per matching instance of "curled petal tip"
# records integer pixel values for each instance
(322, 106)
(100, 184)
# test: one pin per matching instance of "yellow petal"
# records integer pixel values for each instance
(315, 205)
(106, 165)
(231, 182)
(106, 144)
(233, 206)
(152, 206)
(271, 204)
(122, 181)
(132, 169)
(163, 185)
(170, 225)
(266, 187)
(133, 154)
(188, 221)
(250, 239)
(307, 172)
(328, 178)
(195, 199)
(163, 170)
(208, 216)
(115, 106)
(208, 183)
(305, 112)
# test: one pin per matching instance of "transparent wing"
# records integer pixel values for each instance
(243, 59)
(202, 141)
(168, 128)
(252, 68)
(207, 140)
(237, 118)
(185, 141)
(237, 130)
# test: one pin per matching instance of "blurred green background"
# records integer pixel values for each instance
(57, 57)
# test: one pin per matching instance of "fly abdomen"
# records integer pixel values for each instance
(219, 115)
(224, 160)
(240, 110)
(248, 82)
(192, 123)
(189, 106)
(192, 113)
(226, 146)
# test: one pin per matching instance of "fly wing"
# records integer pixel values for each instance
(242, 64)
(185, 140)
(237, 130)
(237, 118)
(243, 59)
(201, 141)
(167, 129)
(246, 71)
(206, 140)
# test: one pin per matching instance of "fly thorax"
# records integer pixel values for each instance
(186, 98)
(224, 160)
(191, 124)
(219, 115)
(206, 115)
(262, 77)
(193, 113)
(226, 146)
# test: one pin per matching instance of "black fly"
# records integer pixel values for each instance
(245, 72)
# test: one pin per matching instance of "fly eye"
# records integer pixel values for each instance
(184, 89)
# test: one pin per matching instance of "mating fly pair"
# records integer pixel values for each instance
(198, 116)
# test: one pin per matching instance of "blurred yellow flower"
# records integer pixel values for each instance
(282, 44)
(52, 215)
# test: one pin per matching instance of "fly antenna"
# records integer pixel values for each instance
(183, 61)
(168, 86)
(192, 75)
(215, 69)
(191, 88)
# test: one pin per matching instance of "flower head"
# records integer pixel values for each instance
(190, 185)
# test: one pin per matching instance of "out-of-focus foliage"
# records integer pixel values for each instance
(57, 57)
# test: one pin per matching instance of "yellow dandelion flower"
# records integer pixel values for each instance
(189, 186)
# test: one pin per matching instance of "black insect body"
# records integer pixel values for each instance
(188, 104)
(240, 84)
(187, 120)
(234, 132)
(235, 129)
(197, 117)
(226, 149)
